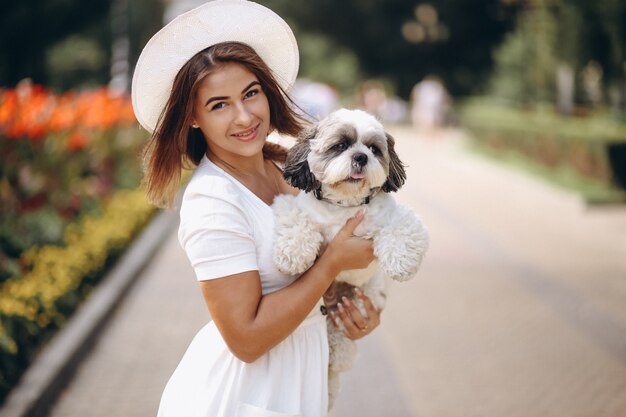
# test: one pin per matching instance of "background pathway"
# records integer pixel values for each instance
(518, 310)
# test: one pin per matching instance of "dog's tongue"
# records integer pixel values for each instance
(357, 176)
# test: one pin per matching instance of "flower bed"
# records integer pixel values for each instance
(70, 205)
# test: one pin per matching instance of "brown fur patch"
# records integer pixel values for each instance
(336, 292)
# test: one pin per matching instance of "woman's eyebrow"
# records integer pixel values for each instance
(252, 84)
(249, 86)
(218, 98)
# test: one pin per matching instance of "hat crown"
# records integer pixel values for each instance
(214, 22)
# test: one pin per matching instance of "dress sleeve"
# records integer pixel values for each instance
(214, 230)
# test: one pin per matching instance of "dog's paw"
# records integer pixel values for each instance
(401, 246)
(293, 264)
(296, 240)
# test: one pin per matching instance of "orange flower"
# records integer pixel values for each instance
(8, 108)
(32, 111)
(30, 116)
(64, 114)
(77, 140)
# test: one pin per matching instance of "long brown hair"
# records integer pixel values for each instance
(175, 145)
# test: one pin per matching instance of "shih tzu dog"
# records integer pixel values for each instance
(347, 163)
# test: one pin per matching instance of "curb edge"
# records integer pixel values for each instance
(49, 373)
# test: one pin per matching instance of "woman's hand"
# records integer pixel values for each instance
(347, 251)
(355, 324)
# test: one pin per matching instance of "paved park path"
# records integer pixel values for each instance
(519, 308)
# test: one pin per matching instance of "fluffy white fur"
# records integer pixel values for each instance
(345, 164)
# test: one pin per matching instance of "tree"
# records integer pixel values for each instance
(584, 39)
(29, 27)
(527, 60)
(373, 29)
(605, 28)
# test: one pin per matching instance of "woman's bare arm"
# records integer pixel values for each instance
(251, 323)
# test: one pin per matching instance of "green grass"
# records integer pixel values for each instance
(593, 192)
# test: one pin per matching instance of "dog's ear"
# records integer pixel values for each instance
(397, 175)
(296, 170)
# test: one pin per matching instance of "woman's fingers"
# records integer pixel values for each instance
(372, 312)
(350, 328)
(348, 229)
(358, 319)
(347, 251)
(355, 324)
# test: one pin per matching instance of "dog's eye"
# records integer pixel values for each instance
(375, 149)
(340, 147)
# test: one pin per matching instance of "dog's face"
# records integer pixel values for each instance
(346, 155)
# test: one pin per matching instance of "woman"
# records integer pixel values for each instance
(265, 352)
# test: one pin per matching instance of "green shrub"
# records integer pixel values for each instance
(582, 147)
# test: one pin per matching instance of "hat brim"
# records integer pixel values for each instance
(212, 23)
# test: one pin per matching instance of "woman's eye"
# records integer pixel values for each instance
(251, 93)
(218, 106)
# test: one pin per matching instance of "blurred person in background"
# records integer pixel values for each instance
(372, 98)
(429, 106)
(316, 99)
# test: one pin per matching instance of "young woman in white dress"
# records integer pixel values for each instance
(210, 86)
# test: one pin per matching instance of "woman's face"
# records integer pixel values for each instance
(232, 111)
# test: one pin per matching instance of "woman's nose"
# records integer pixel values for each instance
(243, 116)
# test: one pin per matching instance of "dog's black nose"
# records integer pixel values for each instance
(360, 159)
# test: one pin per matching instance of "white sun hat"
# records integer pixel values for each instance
(212, 23)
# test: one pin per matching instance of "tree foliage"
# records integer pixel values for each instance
(29, 27)
(586, 38)
(373, 30)
(524, 39)
(67, 43)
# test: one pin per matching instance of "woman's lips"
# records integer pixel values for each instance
(246, 135)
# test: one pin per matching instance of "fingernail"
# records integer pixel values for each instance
(339, 307)
(358, 291)
(346, 301)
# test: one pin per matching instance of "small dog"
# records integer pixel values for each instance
(347, 162)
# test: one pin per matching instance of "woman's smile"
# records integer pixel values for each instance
(247, 135)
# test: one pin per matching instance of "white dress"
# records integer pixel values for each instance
(226, 229)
